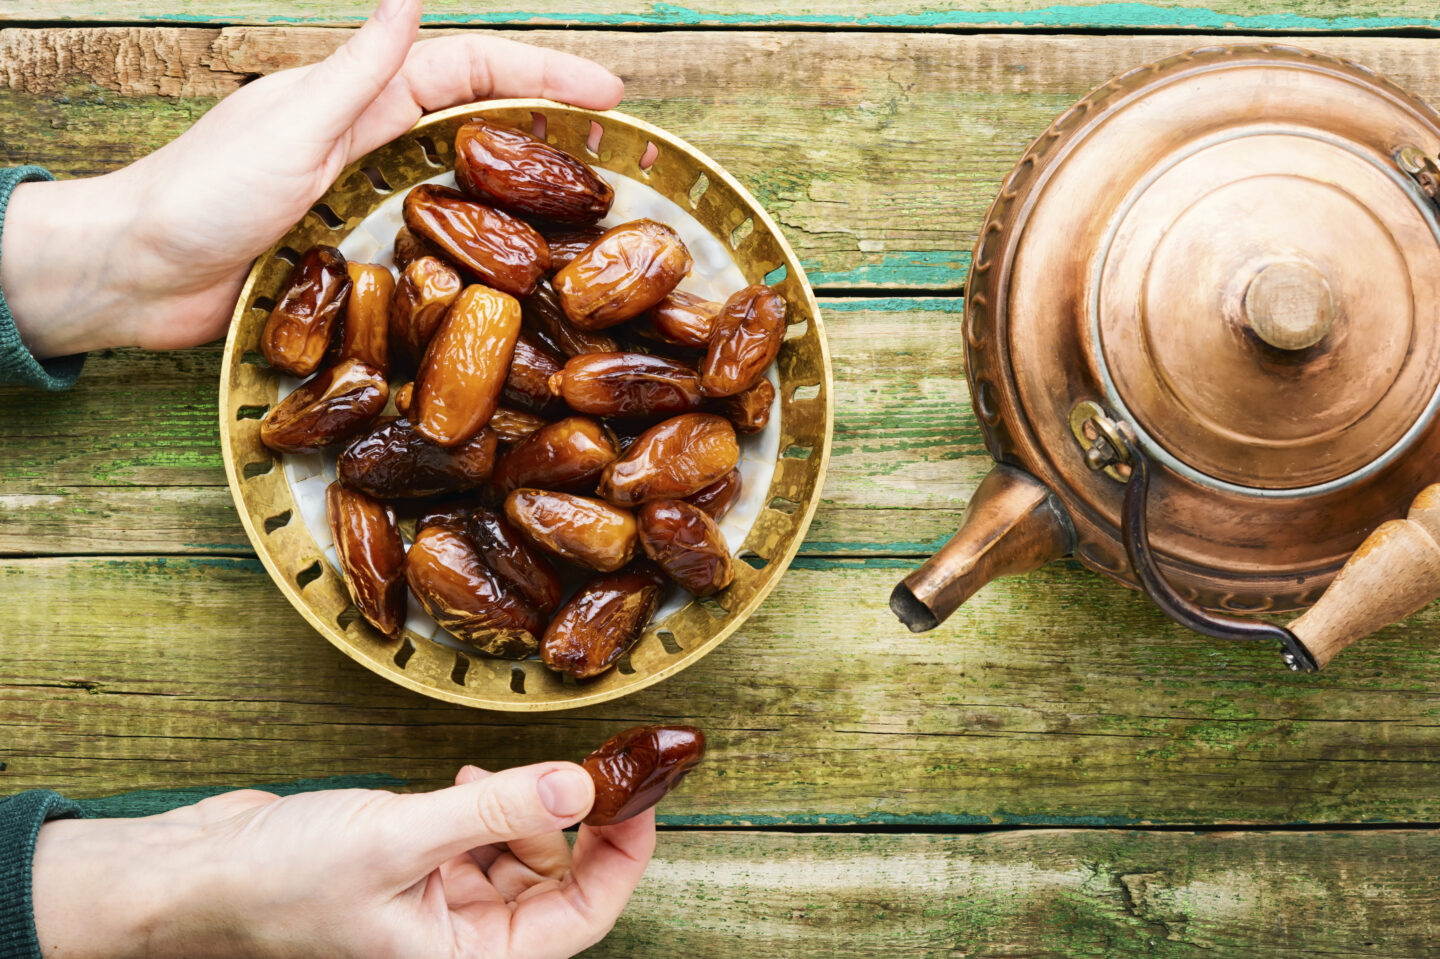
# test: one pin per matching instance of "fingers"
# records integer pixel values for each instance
(546, 855)
(609, 862)
(521, 863)
(450, 70)
(509, 805)
(342, 86)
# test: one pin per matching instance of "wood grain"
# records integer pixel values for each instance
(1035, 893)
(129, 460)
(1056, 698)
(1208, 15)
(879, 168)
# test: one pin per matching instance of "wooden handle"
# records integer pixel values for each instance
(1395, 572)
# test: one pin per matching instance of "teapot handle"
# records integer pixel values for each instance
(1394, 573)
(1134, 532)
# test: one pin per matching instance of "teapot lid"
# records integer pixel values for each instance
(1226, 251)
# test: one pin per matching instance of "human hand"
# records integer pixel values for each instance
(154, 254)
(478, 869)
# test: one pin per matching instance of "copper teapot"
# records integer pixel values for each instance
(1202, 336)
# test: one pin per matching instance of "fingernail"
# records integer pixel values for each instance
(565, 792)
(388, 9)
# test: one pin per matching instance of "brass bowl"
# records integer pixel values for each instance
(248, 387)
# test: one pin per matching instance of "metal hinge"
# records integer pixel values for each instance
(1423, 168)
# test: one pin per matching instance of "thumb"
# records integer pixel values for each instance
(512, 804)
(340, 87)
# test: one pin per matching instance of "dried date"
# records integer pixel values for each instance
(409, 248)
(465, 366)
(542, 313)
(427, 288)
(718, 498)
(449, 513)
(466, 598)
(566, 454)
(365, 326)
(628, 385)
(622, 274)
(527, 383)
(633, 770)
(584, 530)
(749, 410)
(333, 406)
(513, 170)
(602, 620)
(672, 460)
(567, 242)
(393, 461)
(681, 319)
(685, 542)
(405, 398)
(507, 554)
(372, 557)
(747, 337)
(500, 250)
(299, 328)
(512, 425)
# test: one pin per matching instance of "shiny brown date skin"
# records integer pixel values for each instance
(527, 383)
(628, 385)
(405, 398)
(409, 248)
(467, 598)
(717, 498)
(685, 542)
(567, 242)
(512, 425)
(581, 529)
(564, 455)
(365, 326)
(503, 252)
(747, 337)
(511, 169)
(682, 319)
(333, 406)
(672, 460)
(749, 410)
(602, 620)
(465, 366)
(299, 328)
(427, 288)
(542, 313)
(393, 461)
(507, 554)
(372, 556)
(634, 769)
(622, 274)
(450, 514)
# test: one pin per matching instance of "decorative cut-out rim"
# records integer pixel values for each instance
(298, 565)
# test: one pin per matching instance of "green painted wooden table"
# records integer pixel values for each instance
(1056, 772)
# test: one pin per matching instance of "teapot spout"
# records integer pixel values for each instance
(1013, 525)
(1394, 573)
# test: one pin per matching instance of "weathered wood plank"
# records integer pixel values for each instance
(1033, 893)
(879, 167)
(1207, 15)
(129, 461)
(1058, 698)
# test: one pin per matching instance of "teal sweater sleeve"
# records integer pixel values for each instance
(17, 365)
(21, 817)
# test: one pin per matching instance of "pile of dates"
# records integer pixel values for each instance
(564, 411)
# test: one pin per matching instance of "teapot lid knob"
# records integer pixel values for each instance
(1289, 305)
